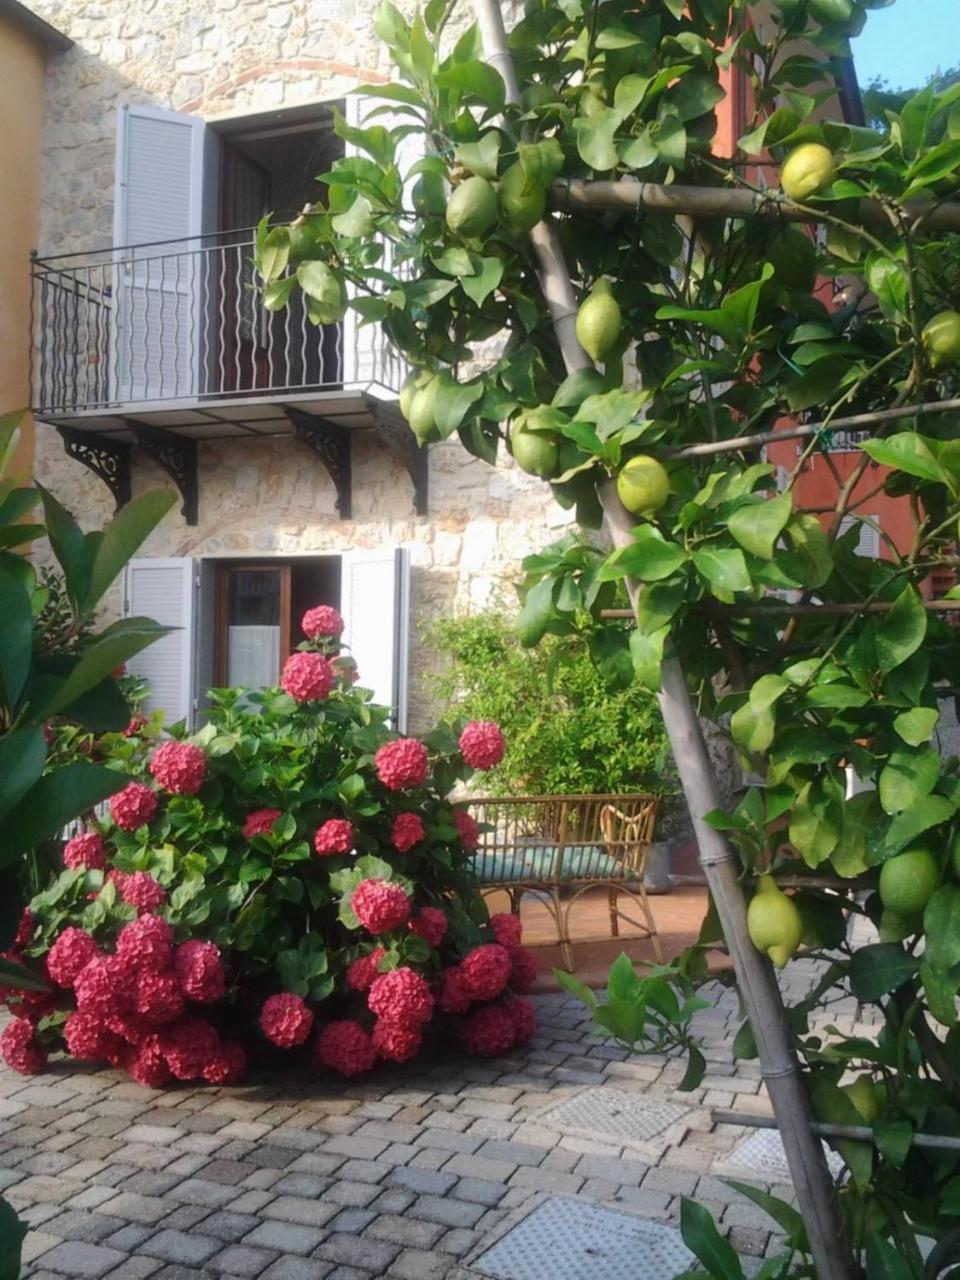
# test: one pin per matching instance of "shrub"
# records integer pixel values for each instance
(238, 885)
(566, 730)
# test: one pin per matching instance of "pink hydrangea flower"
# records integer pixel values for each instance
(157, 997)
(380, 906)
(453, 997)
(89, 1038)
(146, 942)
(485, 971)
(285, 1020)
(199, 971)
(344, 1046)
(70, 954)
(322, 620)
(407, 830)
(401, 764)
(188, 1046)
(128, 1026)
(307, 677)
(523, 1015)
(19, 1049)
(488, 1031)
(334, 836)
(147, 1063)
(260, 822)
(430, 923)
(362, 971)
(102, 986)
(523, 969)
(397, 1043)
(467, 829)
(133, 806)
(24, 929)
(507, 928)
(482, 744)
(140, 890)
(86, 850)
(227, 1066)
(179, 767)
(401, 997)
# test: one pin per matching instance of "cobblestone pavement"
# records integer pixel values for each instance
(403, 1175)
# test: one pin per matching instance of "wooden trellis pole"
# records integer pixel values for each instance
(781, 1072)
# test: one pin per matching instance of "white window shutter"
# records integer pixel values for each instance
(868, 540)
(164, 589)
(368, 359)
(375, 603)
(160, 166)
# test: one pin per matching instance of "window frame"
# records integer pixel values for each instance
(221, 613)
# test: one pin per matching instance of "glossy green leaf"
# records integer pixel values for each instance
(595, 135)
(724, 568)
(646, 649)
(884, 1262)
(916, 726)
(758, 525)
(650, 558)
(909, 775)
(16, 638)
(941, 926)
(123, 537)
(702, 1238)
(22, 756)
(53, 801)
(877, 970)
(902, 630)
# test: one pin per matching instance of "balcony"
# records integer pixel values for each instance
(155, 347)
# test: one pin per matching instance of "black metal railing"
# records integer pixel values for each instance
(182, 320)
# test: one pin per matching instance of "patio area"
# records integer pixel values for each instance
(417, 1174)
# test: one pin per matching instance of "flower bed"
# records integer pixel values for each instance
(290, 878)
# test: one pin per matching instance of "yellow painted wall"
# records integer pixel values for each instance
(21, 120)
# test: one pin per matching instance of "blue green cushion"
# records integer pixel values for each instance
(579, 862)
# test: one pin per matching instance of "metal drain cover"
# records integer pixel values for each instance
(570, 1239)
(761, 1158)
(624, 1116)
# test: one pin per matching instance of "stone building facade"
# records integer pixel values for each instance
(268, 497)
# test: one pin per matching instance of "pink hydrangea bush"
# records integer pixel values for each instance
(292, 879)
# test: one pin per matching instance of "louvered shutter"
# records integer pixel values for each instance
(158, 209)
(868, 540)
(375, 603)
(368, 359)
(164, 589)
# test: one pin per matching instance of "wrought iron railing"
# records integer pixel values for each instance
(182, 320)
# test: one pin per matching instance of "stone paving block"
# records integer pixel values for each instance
(91, 1198)
(301, 1184)
(74, 1224)
(292, 1135)
(409, 1232)
(458, 1241)
(364, 1171)
(465, 1166)
(417, 1264)
(422, 1181)
(627, 1173)
(348, 1273)
(129, 1238)
(512, 1152)
(137, 1208)
(358, 1251)
(309, 1213)
(76, 1258)
(553, 1181)
(251, 1201)
(297, 1269)
(36, 1244)
(271, 1156)
(189, 1249)
(393, 1200)
(200, 1191)
(353, 1221)
(228, 1226)
(679, 1182)
(449, 1213)
(355, 1147)
(285, 1237)
(243, 1261)
(450, 1140)
(160, 1136)
(351, 1194)
(37, 1214)
(227, 1172)
(135, 1269)
(479, 1191)
(185, 1217)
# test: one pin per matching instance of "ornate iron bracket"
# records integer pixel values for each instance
(331, 444)
(394, 430)
(178, 457)
(107, 458)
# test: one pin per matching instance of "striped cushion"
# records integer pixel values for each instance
(579, 862)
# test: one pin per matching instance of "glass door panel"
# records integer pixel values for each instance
(255, 615)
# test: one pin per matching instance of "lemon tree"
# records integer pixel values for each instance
(823, 665)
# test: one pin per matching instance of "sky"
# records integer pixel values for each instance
(908, 41)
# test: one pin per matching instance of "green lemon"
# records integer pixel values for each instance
(941, 339)
(869, 1096)
(472, 209)
(411, 386)
(421, 419)
(536, 452)
(907, 881)
(807, 170)
(598, 321)
(894, 927)
(832, 11)
(774, 922)
(643, 485)
(521, 209)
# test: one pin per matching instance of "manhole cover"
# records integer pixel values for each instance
(761, 1158)
(615, 1114)
(570, 1239)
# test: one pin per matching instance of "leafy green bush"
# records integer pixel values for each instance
(566, 731)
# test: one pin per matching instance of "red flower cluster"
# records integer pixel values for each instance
(507, 928)
(86, 850)
(401, 997)
(179, 767)
(401, 764)
(407, 830)
(307, 677)
(398, 1043)
(260, 822)
(361, 972)
(346, 1047)
(485, 971)
(133, 806)
(488, 1031)
(467, 829)
(322, 620)
(334, 836)
(19, 1049)
(523, 969)
(140, 890)
(69, 956)
(453, 997)
(380, 906)
(482, 744)
(285, 1020)
(146, 942)
(199, 971)
(430, 923)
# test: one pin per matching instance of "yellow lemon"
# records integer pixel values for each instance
(472, 209)
(774, 922)
(521, 209)
(807, 170)
(421, 419)
(536, 452)
(643, 485)
(941, 339)
(598, 321)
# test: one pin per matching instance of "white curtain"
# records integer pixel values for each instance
(253, 657)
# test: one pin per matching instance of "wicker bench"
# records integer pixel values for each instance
(561, 847)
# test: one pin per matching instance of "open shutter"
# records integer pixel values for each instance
(375, 603)
(159, 208)
(164, 589)
(368, 359)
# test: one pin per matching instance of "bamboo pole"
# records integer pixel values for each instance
(857, 1132)
(785, 1085)
(630, 194)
